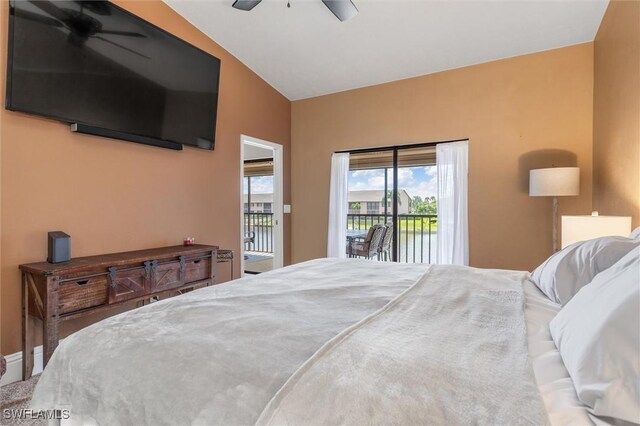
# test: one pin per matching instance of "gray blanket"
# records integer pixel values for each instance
(215, 355)
(450, 350)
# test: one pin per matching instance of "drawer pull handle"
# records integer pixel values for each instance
(197, 261)
(82, 282)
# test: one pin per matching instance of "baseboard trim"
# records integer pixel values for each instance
(14, 366)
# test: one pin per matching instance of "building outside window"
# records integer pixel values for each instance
(373, 207)
(372, 202)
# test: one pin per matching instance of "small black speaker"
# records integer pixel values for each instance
(59, 247)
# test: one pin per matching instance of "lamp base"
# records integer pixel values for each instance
(554, 227)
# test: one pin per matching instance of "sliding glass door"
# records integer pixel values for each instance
(394, 187)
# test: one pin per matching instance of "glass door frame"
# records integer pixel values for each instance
(394, 200)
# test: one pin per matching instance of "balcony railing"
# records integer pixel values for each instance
(417, 233)
(261, 226)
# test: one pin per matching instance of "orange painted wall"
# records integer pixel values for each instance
(616, 112)
(520, 113)
(115, 196)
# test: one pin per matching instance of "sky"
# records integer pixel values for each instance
(415, 180)
(260, 185)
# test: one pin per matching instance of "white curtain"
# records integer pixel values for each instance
(453, 225)
(338, 206)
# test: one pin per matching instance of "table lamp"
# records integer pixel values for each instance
(581, 228)
(554, 182)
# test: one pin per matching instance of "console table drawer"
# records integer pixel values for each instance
(82, 293)
(197, 269)
(127, 284)
(166, 277)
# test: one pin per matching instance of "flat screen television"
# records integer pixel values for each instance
(111, 73)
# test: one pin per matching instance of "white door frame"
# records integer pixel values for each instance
(278, 187)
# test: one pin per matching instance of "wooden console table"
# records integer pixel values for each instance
(56, 292)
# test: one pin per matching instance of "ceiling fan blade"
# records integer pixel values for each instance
(31, 16)
(123, 33)
(51, 9)
(120, 46)
(245, 4)
(343, 9)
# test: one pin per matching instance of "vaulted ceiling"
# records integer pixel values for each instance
(304, 51)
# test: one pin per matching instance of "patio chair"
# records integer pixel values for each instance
(385, 246)
(369, 247)
(351, 241)
(249, 237)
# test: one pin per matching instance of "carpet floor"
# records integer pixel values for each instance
(16, 396)
(259, 267)
(256, 263)
(254, 257)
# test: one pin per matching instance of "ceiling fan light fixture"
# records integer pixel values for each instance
(245, 5)
(343, 9)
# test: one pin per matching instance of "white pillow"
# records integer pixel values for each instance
(598, 336)
(635, 234)
(567, 271)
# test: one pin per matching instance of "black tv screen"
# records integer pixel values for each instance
(95, 64)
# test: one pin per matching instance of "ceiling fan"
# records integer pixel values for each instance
(81, 26)
(343, 9)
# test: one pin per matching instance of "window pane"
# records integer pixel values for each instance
(417, 205)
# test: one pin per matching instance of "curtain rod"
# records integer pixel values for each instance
(394, 147)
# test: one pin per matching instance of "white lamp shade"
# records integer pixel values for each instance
(581, 228)
(554, 182)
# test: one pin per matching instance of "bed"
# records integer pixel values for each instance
(326, 341)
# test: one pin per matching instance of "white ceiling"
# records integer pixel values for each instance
(304, 51)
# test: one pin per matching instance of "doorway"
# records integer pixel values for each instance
(261, 222)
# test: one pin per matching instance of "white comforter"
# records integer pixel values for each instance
(450, 350)
(220, 354)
